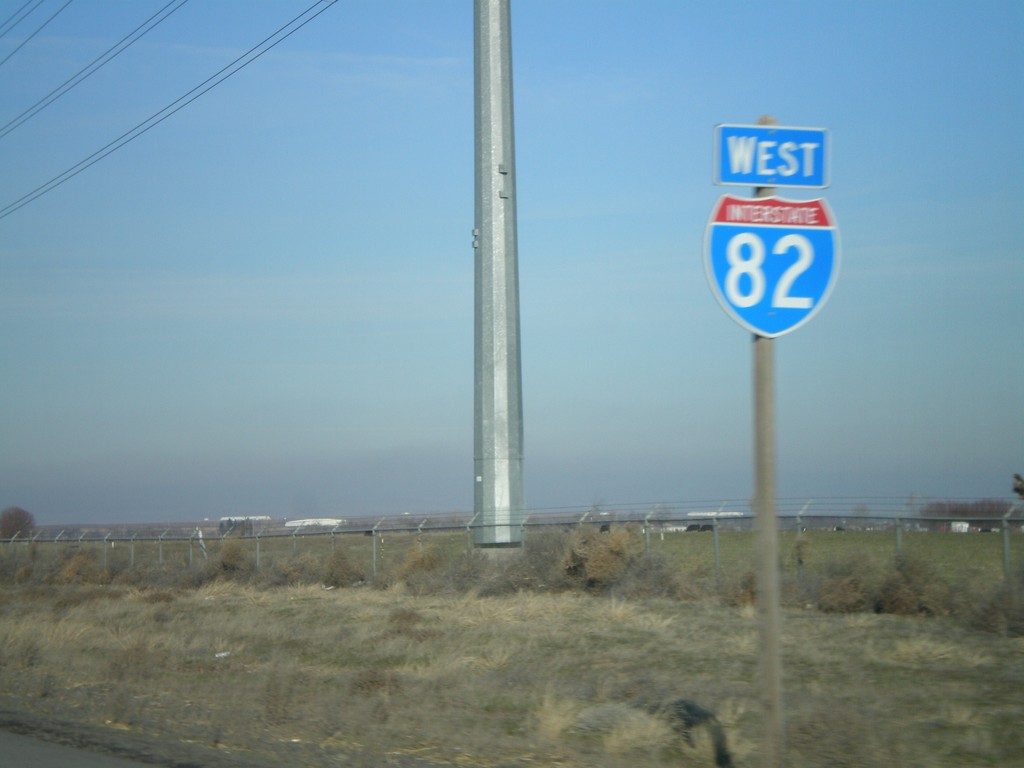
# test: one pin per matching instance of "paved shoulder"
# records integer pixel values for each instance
(37, 741)
(29, 752)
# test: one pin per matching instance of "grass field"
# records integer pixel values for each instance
(539, 659)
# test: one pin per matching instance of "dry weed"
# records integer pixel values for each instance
(637, 731)
(493, 659)
(67, 634)
(220, 590)
(862, 621)
(912, 586)
(140, 660)
(742, 644)
(81, 568)
(371, 672)
(233, 559)
(20, 648)
(598, 560)
(278, 695)
(958, 715)
(655, 576)
(555, 717)
(997, 609)
(843, 594)
(340, 571)
(835, 735)
(421, 572)
(298, 570)
(742, 592)
(928, 651)
(376, 681)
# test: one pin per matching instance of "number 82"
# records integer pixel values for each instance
(745, 253)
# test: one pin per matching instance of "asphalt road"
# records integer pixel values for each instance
(29, 740)
(33, 741)
(17, 751)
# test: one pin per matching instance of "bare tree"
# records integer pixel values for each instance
(16, 521)
(1018, 485)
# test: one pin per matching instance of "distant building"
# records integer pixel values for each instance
(244, 525)
(316, 522)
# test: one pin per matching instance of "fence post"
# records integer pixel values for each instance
(131, 557)
(13, 550)
(258, 548)
(160, 547)
(899, 525)
(718, 549)
(718, 552)
(469, 532)
(105, 540)
(799, 544)
(1006, 545)
(31, 543)
(373, 535)
(800, 516)
(899, 533)
(647, 534)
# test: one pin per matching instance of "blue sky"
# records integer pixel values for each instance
(264, 305)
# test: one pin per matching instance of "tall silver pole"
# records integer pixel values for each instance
(498, 405)
(767, 536)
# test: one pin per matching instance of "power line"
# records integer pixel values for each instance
(105, 58)
(12, 22)
(23, 42)
(180, 103)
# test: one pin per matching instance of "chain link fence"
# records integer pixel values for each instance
(714, 541)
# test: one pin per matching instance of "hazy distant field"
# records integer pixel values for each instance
(445, 658)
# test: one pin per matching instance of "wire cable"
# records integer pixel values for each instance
(23, 42)
(105, 58)
(180, 103)
(11, 22)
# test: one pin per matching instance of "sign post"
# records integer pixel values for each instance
(766, 518)
(771, 263)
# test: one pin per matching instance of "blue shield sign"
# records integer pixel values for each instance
(771, 262)
(771, 156)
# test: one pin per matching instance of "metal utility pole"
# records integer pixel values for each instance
(498, 402)
(767, 534)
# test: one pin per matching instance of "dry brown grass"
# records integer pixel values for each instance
(316, 677)
(439, 655)
(838, 572)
